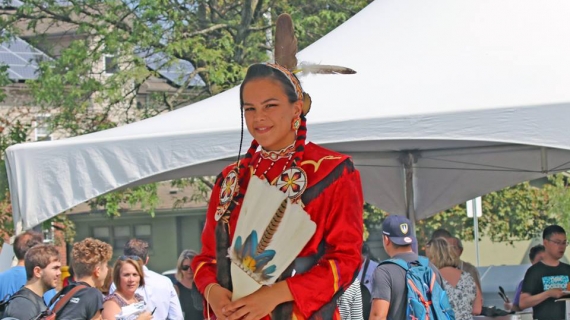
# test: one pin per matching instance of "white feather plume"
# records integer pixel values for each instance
(306, 68)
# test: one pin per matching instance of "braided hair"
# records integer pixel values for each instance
(288, 81)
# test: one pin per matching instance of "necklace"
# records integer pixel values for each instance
(274, 156)
(279, 154)
(271, 165)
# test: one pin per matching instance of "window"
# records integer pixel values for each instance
(41, 127)
(102, 233)
(111, 65)
(143, 232)
(118, 236)
(49, 235)
(121, 235)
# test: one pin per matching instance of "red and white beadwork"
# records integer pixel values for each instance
(227, 192)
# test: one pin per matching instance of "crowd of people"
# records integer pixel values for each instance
(379, 291)
(127, 290)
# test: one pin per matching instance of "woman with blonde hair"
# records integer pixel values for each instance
(189, 297)
(463, 294)
(127, 277)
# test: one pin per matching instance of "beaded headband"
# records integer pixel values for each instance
(294, 81)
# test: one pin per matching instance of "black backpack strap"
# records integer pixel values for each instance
(8, 297)
(364, 269)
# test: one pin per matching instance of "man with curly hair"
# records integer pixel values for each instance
(90, 259)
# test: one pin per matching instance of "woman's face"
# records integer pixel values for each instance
(130, 278)
(269, 114)
(187, 272)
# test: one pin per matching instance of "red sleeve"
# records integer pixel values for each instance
(204, 264)
(342, 204)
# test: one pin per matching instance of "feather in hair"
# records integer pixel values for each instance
(285, 42)
(313, 68)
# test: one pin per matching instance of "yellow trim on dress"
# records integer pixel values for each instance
(200, 266)
(335, 274)
(317, 164)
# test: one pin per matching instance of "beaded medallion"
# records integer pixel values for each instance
(292, 182)
(228, 190)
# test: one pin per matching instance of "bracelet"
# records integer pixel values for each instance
(208, 288)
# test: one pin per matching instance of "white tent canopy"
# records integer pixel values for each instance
(452, 100)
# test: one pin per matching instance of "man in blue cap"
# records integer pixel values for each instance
(389, 291)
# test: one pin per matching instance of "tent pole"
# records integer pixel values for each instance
(544, 160)
(408, 160)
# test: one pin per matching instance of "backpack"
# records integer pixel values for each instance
(4, 304)
(426, 298)
(50, 313)
(365, 293)
(6, 301)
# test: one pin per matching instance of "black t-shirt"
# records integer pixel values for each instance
(188, 302)
(540, 278)
(83, 305)
(25, 305)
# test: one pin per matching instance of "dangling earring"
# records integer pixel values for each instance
(296, 124)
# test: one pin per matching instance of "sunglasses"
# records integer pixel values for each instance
(185, 267)
(136, 258)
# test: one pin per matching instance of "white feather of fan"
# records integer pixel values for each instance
(294, 231)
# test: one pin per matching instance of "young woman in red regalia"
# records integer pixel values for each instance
(323, 183)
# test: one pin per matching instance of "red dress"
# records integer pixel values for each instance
(334, 201)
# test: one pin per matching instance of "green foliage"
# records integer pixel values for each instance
(144, 197)
(520, 212)
(313, 19)
(4, 80)
(6, 224)
(10, 133)
(201, 189)
(372, 217)
(559, 199)
(220, 38)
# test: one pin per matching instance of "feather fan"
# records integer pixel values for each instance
(270, 233)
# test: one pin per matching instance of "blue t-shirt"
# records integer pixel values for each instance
(13, 279)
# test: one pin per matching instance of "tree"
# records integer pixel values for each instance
(519, 212)
(559, 199)
(220, 38)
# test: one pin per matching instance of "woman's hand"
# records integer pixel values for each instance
(145, 316)
(258, 304)
(218, 298)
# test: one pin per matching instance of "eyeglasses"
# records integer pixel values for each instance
(136, 258)
(559, 243)
(185, 267)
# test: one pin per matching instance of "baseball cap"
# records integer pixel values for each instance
(399, 230)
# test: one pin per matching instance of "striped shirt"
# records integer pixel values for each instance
(350, 303)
